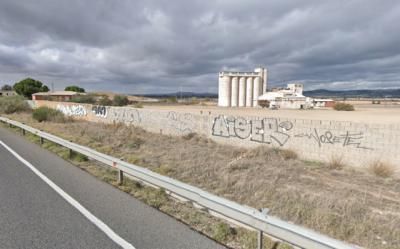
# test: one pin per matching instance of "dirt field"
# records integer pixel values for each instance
(366, 113)
(355, 206)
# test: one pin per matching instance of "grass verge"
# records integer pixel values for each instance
(201, 221)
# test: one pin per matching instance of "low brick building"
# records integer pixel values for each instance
(55, 96)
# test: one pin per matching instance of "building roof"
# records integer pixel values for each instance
(57, 93)
(323, 100)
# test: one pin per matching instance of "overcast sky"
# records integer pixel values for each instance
(150, 46)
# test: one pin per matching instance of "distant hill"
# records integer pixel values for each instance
(180, 94)
(372, 93)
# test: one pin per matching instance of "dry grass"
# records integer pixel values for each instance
(233, 237)
(336, 163)
(289, 154)
(350, 205)
(381, 169)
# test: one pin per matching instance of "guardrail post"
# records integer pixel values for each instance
(71, 152)
(260, 240)
(260, 234)
(120, 177)
(23, 132)
(41, 140)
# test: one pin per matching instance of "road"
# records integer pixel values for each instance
(36, 214)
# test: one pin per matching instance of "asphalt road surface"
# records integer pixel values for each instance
(46, 202)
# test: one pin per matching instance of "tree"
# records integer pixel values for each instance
(120, 100)
(29, 86)
(6, 88)
(75, 89)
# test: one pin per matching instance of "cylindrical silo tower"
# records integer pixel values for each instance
(242, 92)
(265, 81)
(257, 87)
(224, 91)
(235, 92)
(249, 92)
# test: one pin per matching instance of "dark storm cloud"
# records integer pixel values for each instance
(162, 46)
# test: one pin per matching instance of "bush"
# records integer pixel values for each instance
(105, 101)
(343, 107)
(13, 104)
(88, 99)
(120, 100)
(48, 114)
(381, 169)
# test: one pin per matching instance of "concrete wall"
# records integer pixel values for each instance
(357, 143)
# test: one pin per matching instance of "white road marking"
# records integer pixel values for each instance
(96, 221)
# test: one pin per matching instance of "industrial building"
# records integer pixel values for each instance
(290, 97)
(241, 89)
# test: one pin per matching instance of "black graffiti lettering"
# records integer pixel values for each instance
(347, 139)
(231, 126)
(286, 125)
(182, 123)
(257, 132)
(100, 111)
(242, 128)
(220, 127)
(262, 131)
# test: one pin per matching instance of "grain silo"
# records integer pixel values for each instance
(240, 89)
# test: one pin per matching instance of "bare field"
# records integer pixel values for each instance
(352, 205)
(366, 113)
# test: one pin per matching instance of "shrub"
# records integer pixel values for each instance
(336, 162)
(120, 100)
(288, 154)
(222, 231)
(343, 107)
(105, 101)
(381, 169)
(13, 104)
(88, 99)
(138, 105)
(48, 114)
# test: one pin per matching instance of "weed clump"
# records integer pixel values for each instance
(288, 154)
(381, 169)
(336, 163)
(343, 107)
(223, 231)
(48, 114)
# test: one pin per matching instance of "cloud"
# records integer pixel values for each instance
(159, 46)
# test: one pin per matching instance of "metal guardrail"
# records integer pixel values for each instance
(250, 217)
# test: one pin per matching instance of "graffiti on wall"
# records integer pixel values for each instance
(99, 111)
(353, 139)
(124, 115)
(267, 130)
(72, 110)
(181, 122)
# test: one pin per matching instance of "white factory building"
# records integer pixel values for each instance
(290, 97)
(241, 89)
